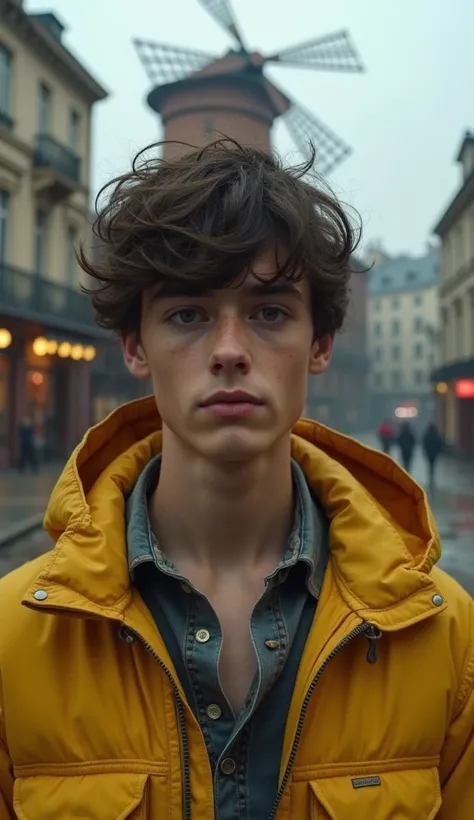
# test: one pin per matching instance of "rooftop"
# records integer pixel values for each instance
(404, 273)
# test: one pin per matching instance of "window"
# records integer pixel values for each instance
(386, 280)
(378, 380)
(419, 377)
(5, 84)
(396, 327)
(418, 324)
(208, 128)
(418, 351)
(71, 265)
(377, 330)
(74, 124)
(410, 276)
(395, 303)
(4, 224)
(44, 108)
(377, 306)
(417, 300)
(41, 225)
(396, 353)
(396, 379)
(377, 354)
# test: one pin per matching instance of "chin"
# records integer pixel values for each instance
(235, 446)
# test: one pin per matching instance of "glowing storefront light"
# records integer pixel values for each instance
(89, 353)
(77, 352)
(64, 350)
(5, 338)
(40, 346)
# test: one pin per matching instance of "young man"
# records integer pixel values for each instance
(241, 617)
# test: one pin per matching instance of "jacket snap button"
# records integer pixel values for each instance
(40, 595)
(203, 635)
(228, 766)
(437, 600)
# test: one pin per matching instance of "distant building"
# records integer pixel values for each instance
(455, 375)
(56, 364)
(339, 397)
(403, 335)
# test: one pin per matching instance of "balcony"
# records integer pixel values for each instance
(57, 169)
(28, 296)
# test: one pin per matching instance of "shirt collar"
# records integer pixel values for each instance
(308, 541)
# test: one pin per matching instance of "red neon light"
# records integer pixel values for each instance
(465, 389)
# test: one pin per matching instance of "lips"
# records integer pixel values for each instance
(231, 397)
(231, 404)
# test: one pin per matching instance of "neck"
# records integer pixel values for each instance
(212, 514)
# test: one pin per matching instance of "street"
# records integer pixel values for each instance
(452, 502)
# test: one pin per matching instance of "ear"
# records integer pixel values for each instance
(320, 356)
(135, 357)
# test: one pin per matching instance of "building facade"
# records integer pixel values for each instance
(339, 397)
(403, 335)
(454, 378)
(48, 338)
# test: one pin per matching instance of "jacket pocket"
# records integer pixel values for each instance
(113, 796)
(396, 795)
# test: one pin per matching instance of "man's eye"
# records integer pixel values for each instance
(271, 314)
(186, 316)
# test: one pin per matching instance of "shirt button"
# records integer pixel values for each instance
(272, 644)
(228, 766)
(214, 711)
(186, 588)
(202, 635)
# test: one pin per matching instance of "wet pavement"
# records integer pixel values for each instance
(452, 502)
(25, 496)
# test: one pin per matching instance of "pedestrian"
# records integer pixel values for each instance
(406, 442)
(386, 435)
(27, 446)
(241, 616)
(433, 446)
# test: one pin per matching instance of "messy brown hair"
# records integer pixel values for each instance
(203, 218)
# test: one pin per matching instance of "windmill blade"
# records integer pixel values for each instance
(305, 129)
(168, 64)
(221, 11)
(334, 52)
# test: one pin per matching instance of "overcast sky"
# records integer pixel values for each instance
(404, 118)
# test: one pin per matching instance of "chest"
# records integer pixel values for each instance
(237, 659)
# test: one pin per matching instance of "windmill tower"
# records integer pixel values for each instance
(200, 96)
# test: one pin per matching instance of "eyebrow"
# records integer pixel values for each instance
(176, 290)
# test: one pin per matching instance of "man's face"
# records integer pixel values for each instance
(229, 368)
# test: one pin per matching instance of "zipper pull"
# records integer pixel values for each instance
(373, 634)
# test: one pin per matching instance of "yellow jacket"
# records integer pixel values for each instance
(94, 724)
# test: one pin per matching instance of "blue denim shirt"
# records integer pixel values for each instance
(244, 749)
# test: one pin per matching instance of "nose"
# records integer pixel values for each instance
(230, 351)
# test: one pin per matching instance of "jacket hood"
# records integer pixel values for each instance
(383, 538)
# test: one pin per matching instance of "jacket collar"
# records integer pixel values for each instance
(383, 539)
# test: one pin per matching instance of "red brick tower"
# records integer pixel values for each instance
(199, 96)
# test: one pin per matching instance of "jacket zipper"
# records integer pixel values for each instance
(181, 721)
(362, 629)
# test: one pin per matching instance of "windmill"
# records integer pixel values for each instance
(199, 95)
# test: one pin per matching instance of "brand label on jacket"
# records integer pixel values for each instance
(362, 782)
